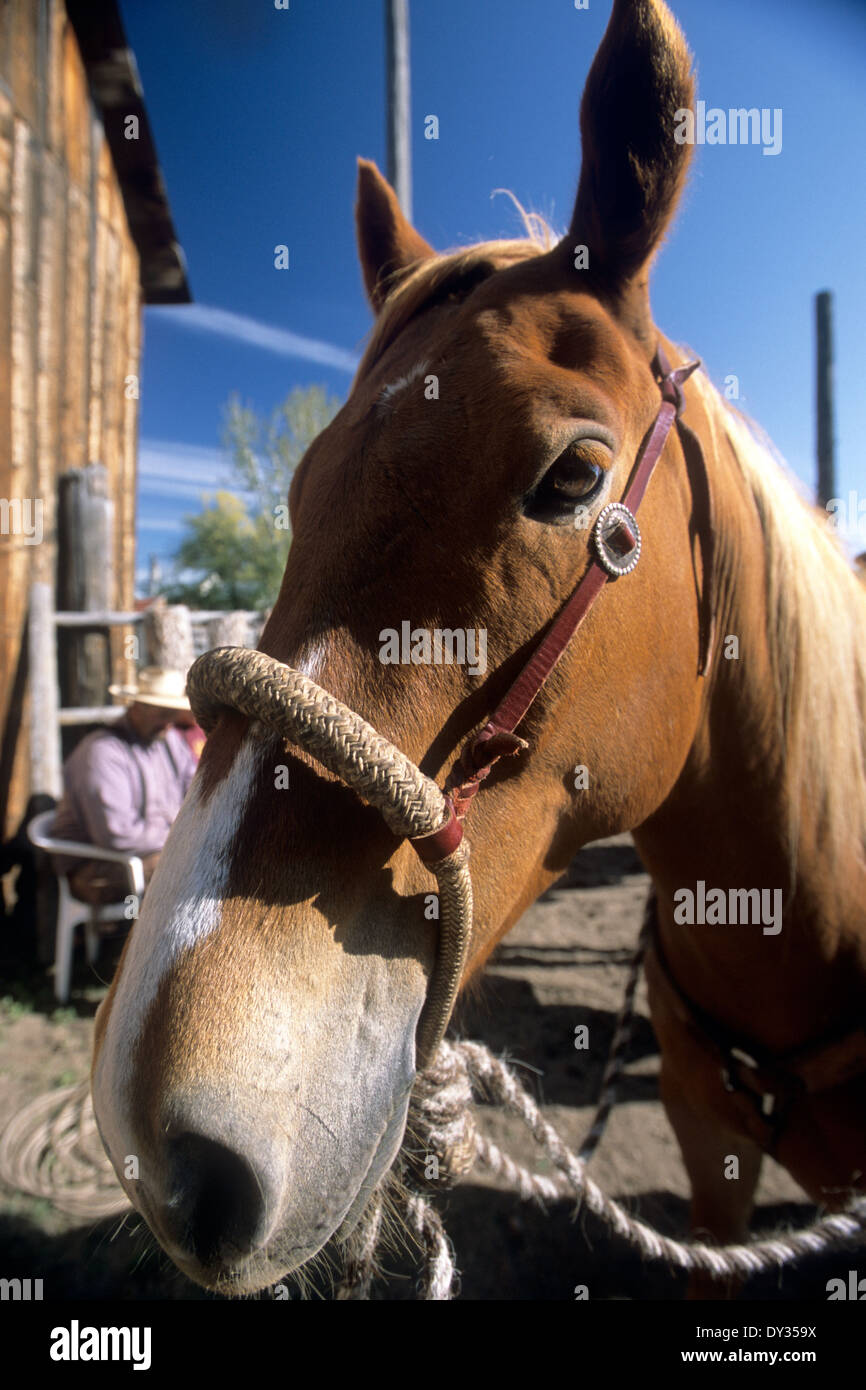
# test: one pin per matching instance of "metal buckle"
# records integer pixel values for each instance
(667, 380)
(679, 397)
(617, 540)
(733, 1081)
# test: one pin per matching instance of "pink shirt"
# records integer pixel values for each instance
(122, 793)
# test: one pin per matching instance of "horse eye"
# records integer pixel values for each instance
(574, 477)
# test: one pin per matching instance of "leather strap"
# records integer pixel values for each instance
(497, 738)
(762, 1084)
(442, 842)
(702, 498)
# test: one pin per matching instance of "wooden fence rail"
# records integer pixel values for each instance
(47, 716)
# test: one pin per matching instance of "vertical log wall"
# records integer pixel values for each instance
(70, 336)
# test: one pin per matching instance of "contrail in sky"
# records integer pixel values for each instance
(206, 318)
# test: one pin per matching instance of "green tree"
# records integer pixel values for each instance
(234, 552)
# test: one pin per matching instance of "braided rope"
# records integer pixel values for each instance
(51, 1148)
(491, 1077)
(438, 1270)
(294, 706)
(441, 1122)
(411, 804)
(359, 1257)
(44, 1150)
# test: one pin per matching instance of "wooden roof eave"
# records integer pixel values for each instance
(117, 94)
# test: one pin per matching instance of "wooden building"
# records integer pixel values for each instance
(86, 238)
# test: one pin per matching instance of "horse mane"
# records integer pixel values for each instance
(816, 626)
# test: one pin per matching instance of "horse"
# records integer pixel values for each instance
(257, 1049)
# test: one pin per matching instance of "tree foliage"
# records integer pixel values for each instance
(234, 552)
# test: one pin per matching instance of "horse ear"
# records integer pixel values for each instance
(633, 168)
(387, 244)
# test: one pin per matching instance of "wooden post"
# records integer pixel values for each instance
(46, 774)
(824, 397)
(45, 760)
(229, 630)
(399, 143)
(168, 636)
(85, 581)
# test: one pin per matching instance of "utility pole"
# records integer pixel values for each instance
(154, 579)
(399, 147)
(825, 442)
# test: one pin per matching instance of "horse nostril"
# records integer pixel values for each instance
(216, 1208)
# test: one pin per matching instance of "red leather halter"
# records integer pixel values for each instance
(616, 546)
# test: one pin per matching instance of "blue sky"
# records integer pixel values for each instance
(259, 115)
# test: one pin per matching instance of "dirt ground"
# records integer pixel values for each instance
(563, 965)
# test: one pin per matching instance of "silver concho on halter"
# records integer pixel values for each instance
(616, 538)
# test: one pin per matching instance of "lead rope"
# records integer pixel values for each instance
(474, 1067)
(442, 1124)
(450, 1074)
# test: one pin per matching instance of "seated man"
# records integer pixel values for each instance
(193, 733)
(124, 785)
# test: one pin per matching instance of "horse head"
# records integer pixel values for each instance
(257, 1049)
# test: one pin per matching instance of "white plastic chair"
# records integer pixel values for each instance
(71, 909)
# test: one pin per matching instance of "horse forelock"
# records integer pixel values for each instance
(452, 275)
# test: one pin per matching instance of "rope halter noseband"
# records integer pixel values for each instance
(412, 805)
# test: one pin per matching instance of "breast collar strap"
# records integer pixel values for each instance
(763, 1086)
(614, 551)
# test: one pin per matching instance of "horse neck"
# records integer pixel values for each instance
(737, 819)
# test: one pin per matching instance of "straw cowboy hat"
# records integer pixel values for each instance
(157, 685)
